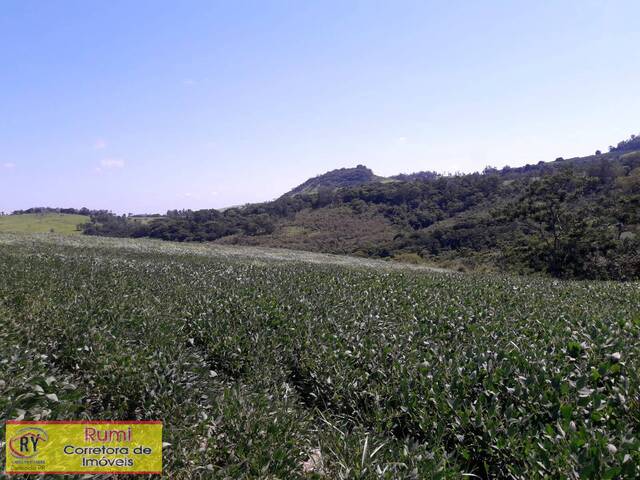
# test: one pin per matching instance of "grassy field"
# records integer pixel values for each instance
(276, 364)
(41, 223)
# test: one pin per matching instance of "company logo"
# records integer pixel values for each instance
(27, 442)
(60, 447)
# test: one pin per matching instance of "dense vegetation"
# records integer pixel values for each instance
(264, 368)
(577, 218)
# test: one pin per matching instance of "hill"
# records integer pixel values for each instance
(570, 218)
(272, 364)
(66, 224)
(342, 177)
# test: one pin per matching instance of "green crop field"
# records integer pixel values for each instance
(275, 364)
(64, 224)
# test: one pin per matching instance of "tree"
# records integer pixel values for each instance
(559, 237)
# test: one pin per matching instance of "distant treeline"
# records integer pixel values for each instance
(68, 211)
(633, 143)
(570, 218)
(414, 204)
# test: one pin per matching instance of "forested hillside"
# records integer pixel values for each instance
(574, 218)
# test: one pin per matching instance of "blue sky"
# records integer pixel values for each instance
(142, 106)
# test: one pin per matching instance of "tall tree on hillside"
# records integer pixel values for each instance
(560, 235)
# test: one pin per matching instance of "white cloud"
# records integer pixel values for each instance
(100, 144)
(112, 163)
(189, 82)
(9, 165)
(402, 140)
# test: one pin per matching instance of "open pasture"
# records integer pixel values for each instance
(60, 223)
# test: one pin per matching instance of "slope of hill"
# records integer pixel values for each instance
(575, 218)
(260, 361)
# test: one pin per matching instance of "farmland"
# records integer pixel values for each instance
(42, 223)
(273, 364)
